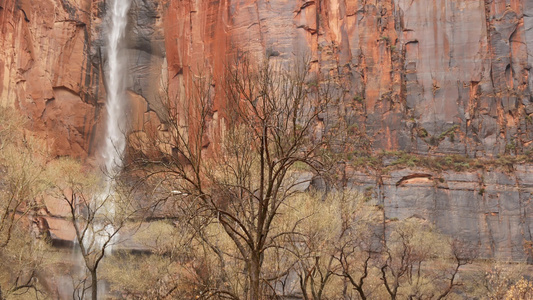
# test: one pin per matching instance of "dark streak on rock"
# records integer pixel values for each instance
(25, 16)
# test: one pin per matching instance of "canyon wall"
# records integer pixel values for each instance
(414, 69)
(46, 71)
(434, 77)
(491, 208)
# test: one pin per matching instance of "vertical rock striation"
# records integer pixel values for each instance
(427, 77)
(414, 70)
(46, 71)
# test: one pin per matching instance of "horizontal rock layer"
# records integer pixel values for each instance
(492, 209)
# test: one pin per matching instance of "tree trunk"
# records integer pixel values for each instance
(94, 286)
(255, 270)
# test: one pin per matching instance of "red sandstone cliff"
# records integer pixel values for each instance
(415, 70)
(45, 71)
(427, 77)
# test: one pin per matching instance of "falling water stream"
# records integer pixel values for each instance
(115, 137)
(115, 141)
(115, 131)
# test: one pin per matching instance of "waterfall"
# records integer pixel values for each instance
(101, 230)
(115, 141)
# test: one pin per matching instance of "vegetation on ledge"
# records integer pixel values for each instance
(392, 160)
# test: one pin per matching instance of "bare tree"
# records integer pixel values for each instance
(167, 268)
(419, 263)
(97, 214)
(236, 191)
(269, 120)
(333, 245)
(357, 247)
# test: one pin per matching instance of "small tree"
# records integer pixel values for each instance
(357, 246)
(22, 167)
(313, 245)
(521, 290)
(498, 280)
(418, 263)
(332, 243)
(97, 216)
(22, 164)
(168, 268)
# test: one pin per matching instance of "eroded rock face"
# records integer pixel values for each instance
(438, 78)
(491, 209)
(415, 70)
(427, 77)
(46, 73)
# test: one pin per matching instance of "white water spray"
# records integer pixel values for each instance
(115, 141)
(102, 231)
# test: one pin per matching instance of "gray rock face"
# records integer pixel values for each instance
(492, 209)
(455, 67)
(408, 66)
(146, 49)
(445, 77)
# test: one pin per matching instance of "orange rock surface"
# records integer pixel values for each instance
(435, 67)
(45, 71)
(432, 77)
